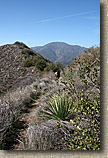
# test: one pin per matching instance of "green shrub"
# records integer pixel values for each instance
(41, 64)
(27, 62)
(21, 45)
(55, 67)
(59, 107)
(86, 101)
(36, 58)
(33, 61)
(47, 69)
(87, 138)
(27, 52)
(50, 67)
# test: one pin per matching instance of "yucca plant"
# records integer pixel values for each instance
(59, 107)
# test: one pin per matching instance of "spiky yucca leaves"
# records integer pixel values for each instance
(59, 107)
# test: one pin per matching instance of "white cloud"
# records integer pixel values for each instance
(63, 17)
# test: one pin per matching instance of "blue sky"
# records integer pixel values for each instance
(38, 22)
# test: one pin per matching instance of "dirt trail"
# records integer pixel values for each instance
(30, 116)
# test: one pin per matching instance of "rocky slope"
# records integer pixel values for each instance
(59, 51)
(12, 71)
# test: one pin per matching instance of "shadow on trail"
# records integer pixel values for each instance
(12, 135)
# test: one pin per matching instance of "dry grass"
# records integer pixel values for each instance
(48, 135)
(11, 106)
(15, 102)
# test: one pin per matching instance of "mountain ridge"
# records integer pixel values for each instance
(13, 73)
(59, 51)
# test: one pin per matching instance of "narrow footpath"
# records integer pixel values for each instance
(30, 116)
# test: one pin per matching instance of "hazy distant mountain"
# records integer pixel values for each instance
(59, 51)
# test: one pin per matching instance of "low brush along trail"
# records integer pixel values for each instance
(18, 134)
